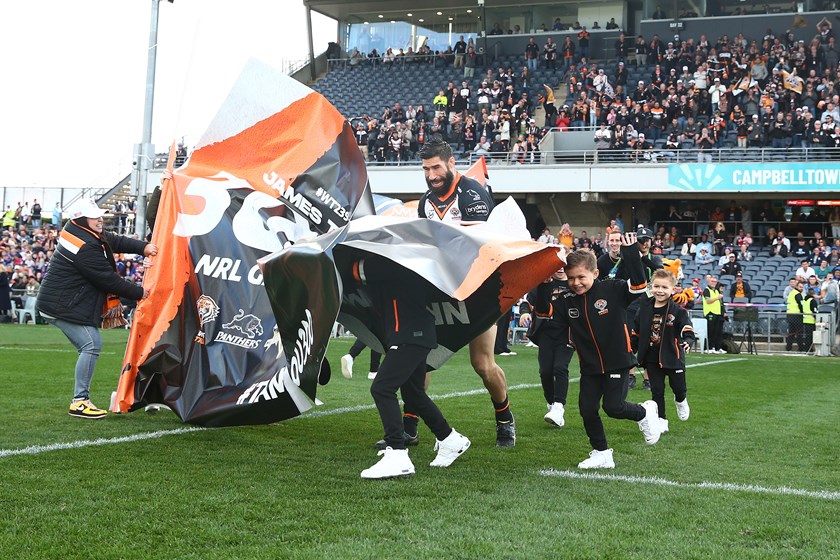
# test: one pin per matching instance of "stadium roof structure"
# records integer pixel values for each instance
(398, 10)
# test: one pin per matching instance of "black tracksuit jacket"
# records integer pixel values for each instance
(596, 319)
(675, 330)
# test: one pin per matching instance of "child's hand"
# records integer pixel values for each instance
(628, 238)
(525, 320)
(687, 347)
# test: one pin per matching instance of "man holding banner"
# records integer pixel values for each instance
(456, 199)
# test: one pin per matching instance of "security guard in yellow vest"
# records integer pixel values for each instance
(794, 318)
(809, 317)
(713, 312)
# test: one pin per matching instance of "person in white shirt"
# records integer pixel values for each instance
(715, 92)
(701, 80)
(689, 247)
(725, 257)
(805, 271)
(603, 137)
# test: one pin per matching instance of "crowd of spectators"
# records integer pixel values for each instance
(777, 91)
(495, 119)
(27, 243)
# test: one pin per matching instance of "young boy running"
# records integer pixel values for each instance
(594, 311)
(663, 334)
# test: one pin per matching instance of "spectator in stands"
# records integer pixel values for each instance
(721, 236)
(611, 24)
(642, 149)
(744, 253)
(659, 13)
(568, 50)
(603, 137)
(801, 250)
(689, 248)
(805, 271)
(703, 257)
(470, 62)
(583, 44)
(532, 54)
(460, 49)
(741, 288)
(704, 144)
(56, 216)
(732, 267)
(550, 53)
(781, 132)
(830, 287)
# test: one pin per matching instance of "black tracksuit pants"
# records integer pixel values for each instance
(404, 368)
(375, 357)
(608, 387)
(657, 376)
(715, 323)
(553, 356)
(502, 331)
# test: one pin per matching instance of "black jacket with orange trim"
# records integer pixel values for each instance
(596, 319)
(400, 298)
(83, 272)
(677, 328)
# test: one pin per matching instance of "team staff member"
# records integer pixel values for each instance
(663, 335)
(595, 312)
(555, 348)
(810, 307)
(794, 317)
(400, 296)
(453, 198)
(713, 312)
(82, 274)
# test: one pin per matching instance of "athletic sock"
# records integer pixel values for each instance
(410, 422)
(503, 413)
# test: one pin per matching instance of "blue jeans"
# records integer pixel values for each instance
(532, 64)
(88, 344)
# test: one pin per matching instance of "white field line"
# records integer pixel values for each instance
(37, 449)
(784, 490)
(48, 350)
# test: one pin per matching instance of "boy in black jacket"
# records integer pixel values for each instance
(400, 297)
(555, 348)
(663, 335)
(594, 312)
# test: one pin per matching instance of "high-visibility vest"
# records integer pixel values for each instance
(792, 306)
(715, 307)
(808, 317)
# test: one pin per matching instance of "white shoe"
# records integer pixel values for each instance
(682, 409)
(650, 425)
(720, 351)
(371, 375)
(598, 460)
(530, 345)
(663, 423)
(508, 353)
(347, 366)
(555, 414)
(394, 463)
(450, 449)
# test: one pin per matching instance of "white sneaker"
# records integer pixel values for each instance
(555, 414)
(650, 425)
(394, 463)
(530, 345)
(347, 366)
(682, 409)
(508, 353)
(450, 449)
(663, 423)
(371, 375)
(598, 460)
(720, 351)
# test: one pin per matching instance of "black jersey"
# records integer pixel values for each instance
(468, 201)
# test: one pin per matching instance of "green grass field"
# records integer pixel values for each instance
(754, 473)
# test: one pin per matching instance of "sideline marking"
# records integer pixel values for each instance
(37, 449)
(49, 350)
(784, 490)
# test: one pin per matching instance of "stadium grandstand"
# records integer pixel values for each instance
(708, 120)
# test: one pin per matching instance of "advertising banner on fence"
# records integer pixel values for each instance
(758, 177)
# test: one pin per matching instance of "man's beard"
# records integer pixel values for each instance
(447, 182)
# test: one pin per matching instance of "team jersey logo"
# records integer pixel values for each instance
(208, 310)
(574, 313)
(669, 321)
(247, 324)
(601, 306)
